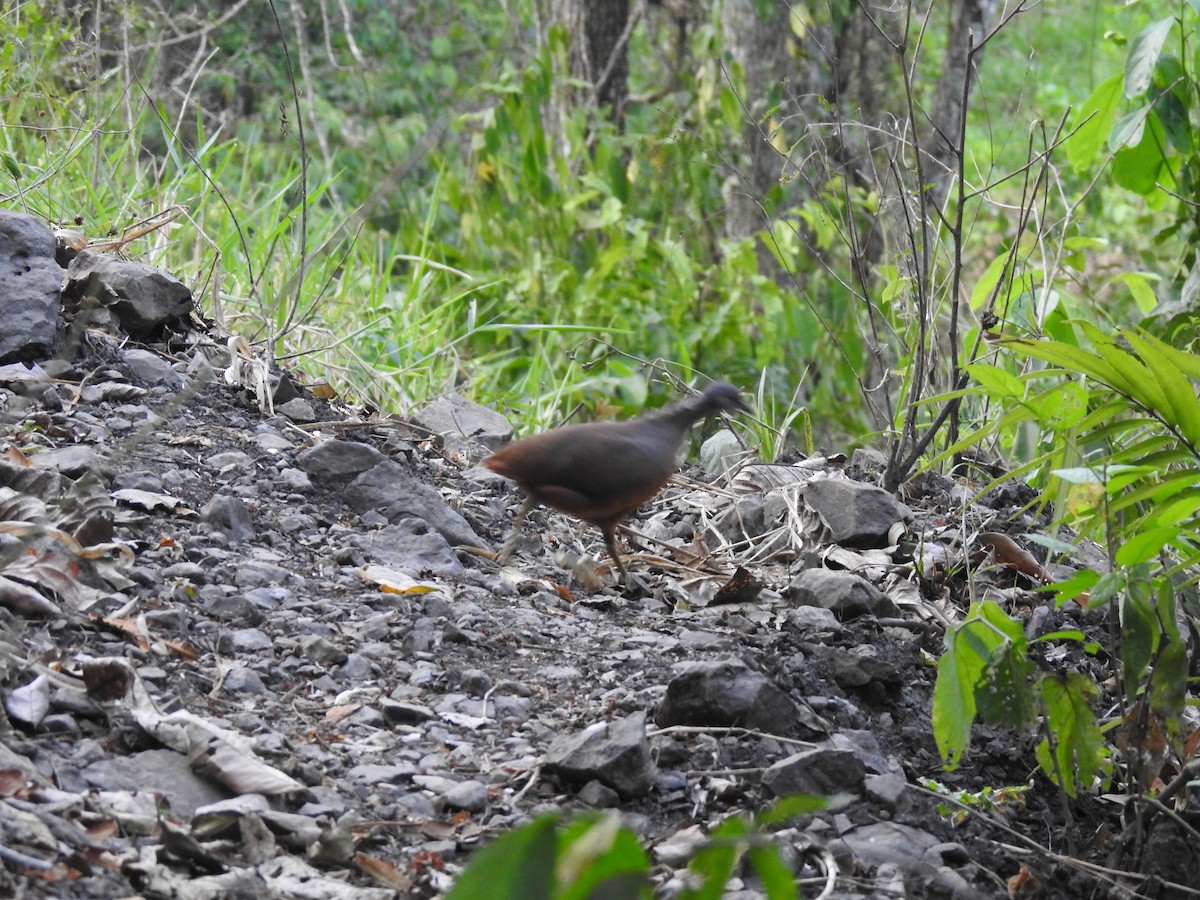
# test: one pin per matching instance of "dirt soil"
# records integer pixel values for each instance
(453, 683)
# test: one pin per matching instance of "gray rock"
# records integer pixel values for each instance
(726, 692)
(139, 481)
(745, 519)
(475, 682)
(615, 753)
(230, 516)
(406, 713)
(322, 651)
(380, 774)
(149, 368)
(821, 771)
(73, 461)
(468, 795)
(269, 598)
(846, 595)
(855, 667)
(865, 745)
(411, 545)
(295, 479)
(230, 459)
(721, 453)
(889, 791)
(298, 410)
(868, 459)
(857, 514)
(162, 771)
(142, 299)
(29, 289)
(336, 463)
(244, 640)
(884, 842)
(461, 423)
(391, 491)
(255, 573)
(243, 680)
(598, 795)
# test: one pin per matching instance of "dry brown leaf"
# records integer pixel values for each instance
(1025, 886)
(1190, 745)
(741, 588)
(23, 599)
(182, 649)
(133, 628)
(383, 872)
(12, 782)
(337, 713)
(106, 680)
(1009, 553)
(16, 457)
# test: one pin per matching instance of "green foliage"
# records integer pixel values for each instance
(1137, 433)
(596, 858)
(989, 799)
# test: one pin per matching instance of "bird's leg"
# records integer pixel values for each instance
(610, 541)
(510, 543)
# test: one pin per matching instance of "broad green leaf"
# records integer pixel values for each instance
(1083, 580)
(1073, 359)
(1138, 167)
(1143, 54)
(1169, 680)
(1087, 140)
(1139, 286)
(1129, 129)
(997, 381)
(1078, 750)
(717, 861)
(790, 807)
(991, 277)
(515, 866)
(985, 639)
(1139, 635)
(1173, 115)
(1132, 377)
(601, 859)
(776, 876)
(959, 671)
(1177, 390)
(1145, 546)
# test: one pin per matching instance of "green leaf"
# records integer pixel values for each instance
(1140, 287)
(1087, 140)
(516, 866)
(1138, 168)
(1176, 389)
(1145, 546)
(790, 807)
(991, 276)
(1143, 55)
(599, 858)
(1078, 749)
(776, 877)
(979, 645)
(1173, 114)
(716, 862)
(1083, 580)
(1139, 635)
(997, 381)
(1129, 129)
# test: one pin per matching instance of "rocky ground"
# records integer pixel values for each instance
(256, 647)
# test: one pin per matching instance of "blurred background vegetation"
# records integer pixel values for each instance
(407, 199)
